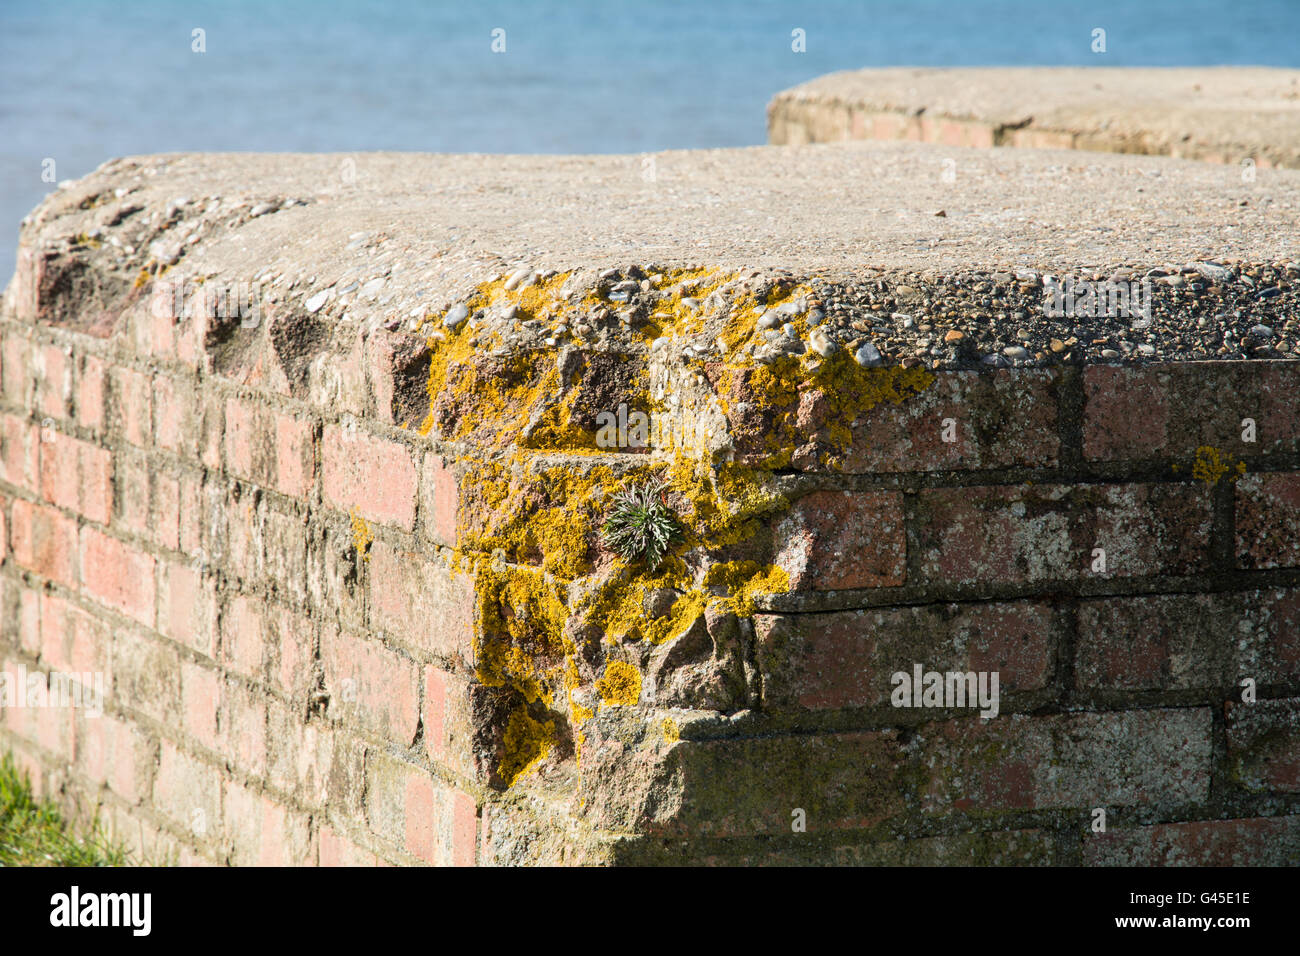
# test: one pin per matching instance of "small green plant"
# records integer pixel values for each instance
(33, 833)
(641, 524)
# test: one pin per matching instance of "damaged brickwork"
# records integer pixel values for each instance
(341, 564)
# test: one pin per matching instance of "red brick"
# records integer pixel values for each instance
(187, 609)
(4, 531)
(1180, 641)
(19, 453)
(117, 575)
(1002, 418)
(263, 832)
(90, 393)
(464, 829)
(1258, 841)
(847, 659)
(373, 475)
(242, 641)
(337, 850)
(191, 512)
(421, 602)
(53, 380)
(241, 737)
(1023, 533)
(131, 405)
(295, 470)
(200, 700)
(416, 814)
(373, 682)
(1169, 411)
(1264, 744)
(15, 369)
(45, 541)
(1019, 762)
(244, 439)
(113, 752)
(76, 475)
(295, 643)
(299, 753)
(188, 791)
(147, 676)
(833, 540)
(438, 500)
(165, 511)
(169, 421)
(1268, 521)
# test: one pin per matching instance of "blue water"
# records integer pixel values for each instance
(85, 80)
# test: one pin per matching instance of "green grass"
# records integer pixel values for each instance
(33, 833)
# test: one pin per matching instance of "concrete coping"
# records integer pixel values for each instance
(1224, 114)
(895, 246)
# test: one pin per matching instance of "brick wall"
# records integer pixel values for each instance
(259, 554)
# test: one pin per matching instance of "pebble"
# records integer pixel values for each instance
(822, 343)
(319, 299)
(868, 356)
(768, 320)
(519, 279)
(457, 315)
(1057, 346)
(953, 336)
(1109, 353)
(261, 209)
(1016, 352)
(1146, 349)
(1261, 332)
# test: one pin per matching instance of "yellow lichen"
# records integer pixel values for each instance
(1211, 465)
(621, 685)
(672, 733)
(362, 536)
(528, 519)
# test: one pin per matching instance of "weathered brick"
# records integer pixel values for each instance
(200, 701)
(1188, 641)
(44, 541)
(438, 499)
(1257, 841)
(1000, 418)
(147, 676)
(1023, 534)
(1171, 410)
(188, 791)
(298, 753)
(1268, 521)
(374, 476)
(131, 405)
(90, 393)
(832, 540)
(744, 786)
(1264, 744)
(245, 441)
(115, 753)
(117, 575)
(406, 807)
(241, 735)
(19, 453)
(1019, 762)
(295, 468)
(15, 369)
(242, 641)
(53, 380)
(262, 832)
(847, 659)
(76, 475)
(421, 602)
(372, 682)
(336, 849)
(187, 607)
